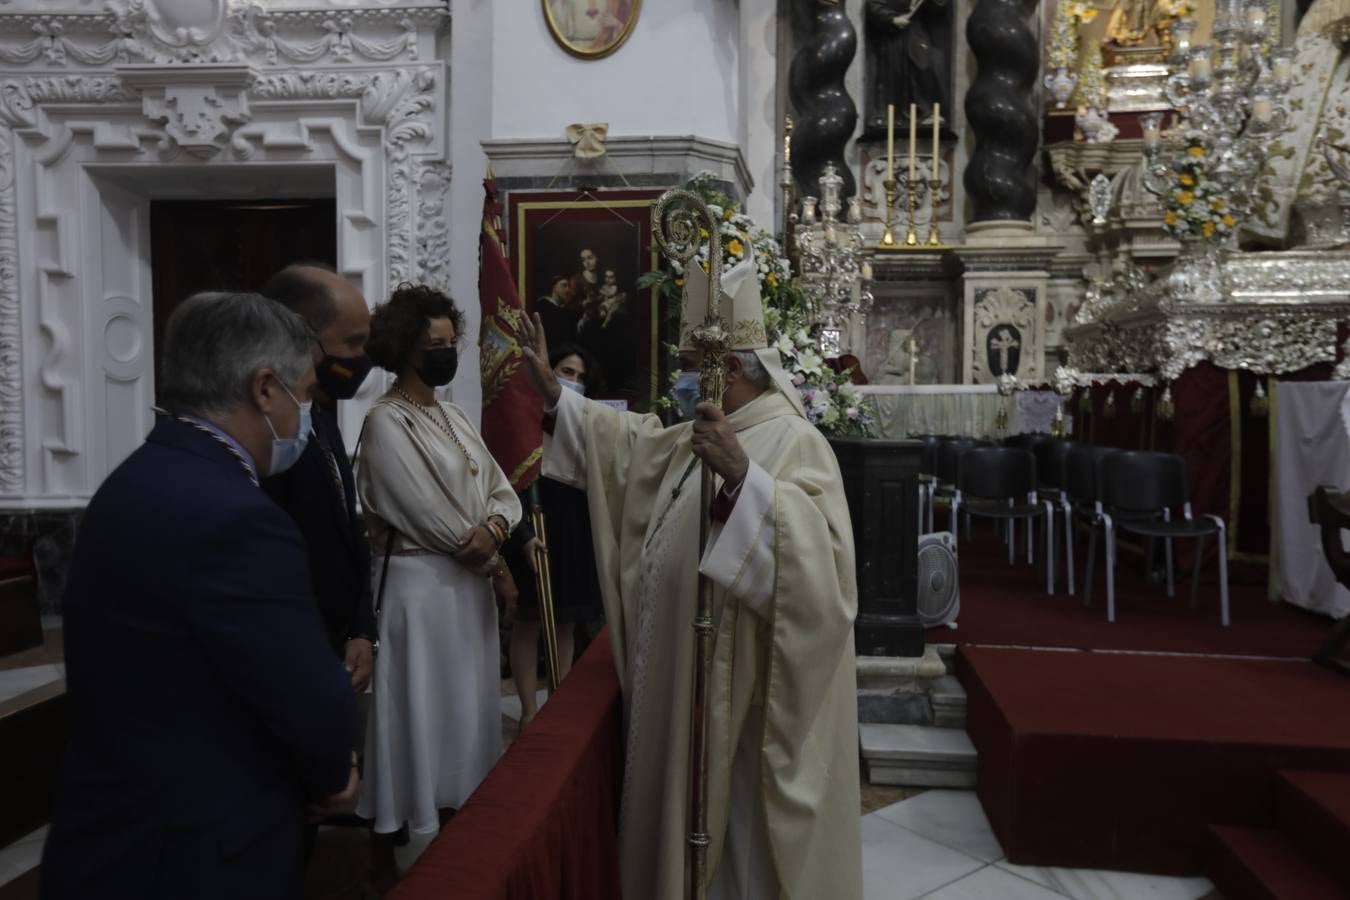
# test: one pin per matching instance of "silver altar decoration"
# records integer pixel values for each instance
(1230, 100)
(833, 262)
(1278, 315)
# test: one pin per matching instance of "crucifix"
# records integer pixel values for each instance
(1003, 342)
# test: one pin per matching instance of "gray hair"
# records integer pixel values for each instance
(216, 342)
(755, 373)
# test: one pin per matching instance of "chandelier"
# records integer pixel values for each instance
(833, 266)
(1229, 98)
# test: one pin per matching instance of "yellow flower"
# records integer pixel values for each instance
(735, 247)
(679, 282)
(1197, 152)
(1216, 203)
(703, 232)
(772, 279)
(1185, 198)
(1208, 229)
(1187, 181)
(1229, 220)
(1088, 14)
(1170, 218)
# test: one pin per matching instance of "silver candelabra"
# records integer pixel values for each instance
(833, 262)
(1229, 97)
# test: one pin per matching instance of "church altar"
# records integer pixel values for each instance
(968, 410)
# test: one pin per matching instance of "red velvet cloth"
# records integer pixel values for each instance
(1122, 761)
(543, 824)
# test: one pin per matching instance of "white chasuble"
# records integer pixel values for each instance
(783, 704)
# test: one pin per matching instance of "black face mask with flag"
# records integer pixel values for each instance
(341, 377)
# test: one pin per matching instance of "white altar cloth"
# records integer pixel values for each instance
(958, 409)
(1312, 447)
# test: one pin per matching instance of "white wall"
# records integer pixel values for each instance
(471, 83)
(676, 75)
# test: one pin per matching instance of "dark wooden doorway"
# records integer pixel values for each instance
(231, 245)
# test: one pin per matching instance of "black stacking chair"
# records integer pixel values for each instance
(927, 479)
(1027, 440)
(948, 454)
(1082, 483)
(1139, 492)
(1052, 481)
(1000, 483)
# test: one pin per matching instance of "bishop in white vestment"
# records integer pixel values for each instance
(783, 797)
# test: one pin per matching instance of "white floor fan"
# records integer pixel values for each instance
(939, 585)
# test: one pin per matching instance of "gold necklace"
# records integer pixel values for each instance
(443, 424)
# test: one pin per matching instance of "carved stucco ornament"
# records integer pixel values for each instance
(199, 106)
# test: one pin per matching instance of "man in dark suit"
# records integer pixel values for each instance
(207, 708)
(319, 492)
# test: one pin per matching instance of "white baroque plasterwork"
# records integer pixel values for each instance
(152, 31)
(242, 110)
(993, 305)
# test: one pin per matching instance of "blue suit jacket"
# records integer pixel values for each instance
(207, 706)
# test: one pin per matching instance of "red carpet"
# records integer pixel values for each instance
(1122, 761)
(1006, 604)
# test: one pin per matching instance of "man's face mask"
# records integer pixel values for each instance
(340, 377)
(286, 452)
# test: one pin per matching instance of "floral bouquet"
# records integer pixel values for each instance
(832, 403)
(1194, 209)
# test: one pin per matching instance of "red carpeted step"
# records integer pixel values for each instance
(1262, 864)
(1314, 812)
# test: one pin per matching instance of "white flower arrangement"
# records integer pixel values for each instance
(1008, 384)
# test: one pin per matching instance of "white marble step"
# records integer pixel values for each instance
(917, 756)
(949, 703)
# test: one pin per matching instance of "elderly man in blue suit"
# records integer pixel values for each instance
(208, 708)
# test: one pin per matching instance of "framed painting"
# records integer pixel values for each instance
(591, 29)
(577, 258)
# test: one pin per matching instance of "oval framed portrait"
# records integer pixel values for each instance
(591, 29)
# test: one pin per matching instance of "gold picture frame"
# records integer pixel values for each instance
(610, 36)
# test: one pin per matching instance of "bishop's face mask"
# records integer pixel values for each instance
(574, 386)
(439, 365)
(341, 377)
(686, 393)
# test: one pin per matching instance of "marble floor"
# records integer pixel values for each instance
(938, 846)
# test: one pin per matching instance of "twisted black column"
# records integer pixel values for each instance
(823, 125)
(1001, 107)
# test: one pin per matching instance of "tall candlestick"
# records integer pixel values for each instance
(913, 144)
(890, 141)
(937, 123)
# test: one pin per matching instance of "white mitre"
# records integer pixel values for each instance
(743, 317)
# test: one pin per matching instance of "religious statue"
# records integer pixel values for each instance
(908, 59)
(1134, 23)
(1303, 197)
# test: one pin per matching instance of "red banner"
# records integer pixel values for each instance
(512, 410)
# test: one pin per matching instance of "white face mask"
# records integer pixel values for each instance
(573, 386)
(286, 452)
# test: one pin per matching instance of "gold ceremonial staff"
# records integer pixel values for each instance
(680, 221)
(543, 582)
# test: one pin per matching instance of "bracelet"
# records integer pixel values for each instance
(498, 532)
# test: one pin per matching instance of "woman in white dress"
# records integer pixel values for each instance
(440, 507)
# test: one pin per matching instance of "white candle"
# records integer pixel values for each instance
(890, 141)
(1256, 19)
(1284, 65)
(1152, 130)
(1263, 109)
(867, 271)
(1200, 60)
(937, 124)
(913, 144)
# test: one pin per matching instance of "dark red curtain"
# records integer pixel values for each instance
(543, 824)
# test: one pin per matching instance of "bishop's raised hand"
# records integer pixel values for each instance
(534, 346)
